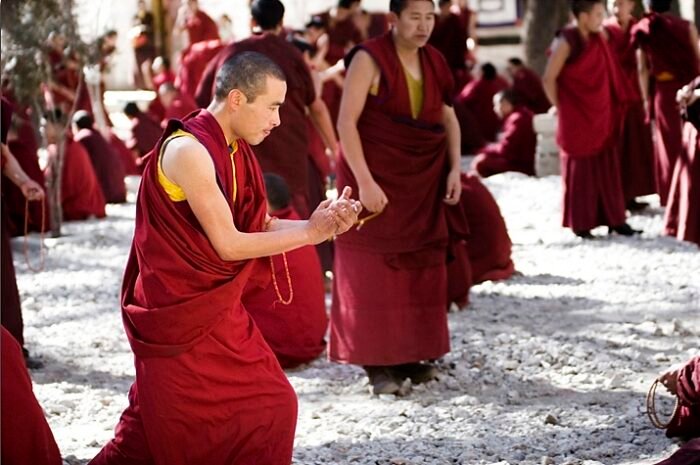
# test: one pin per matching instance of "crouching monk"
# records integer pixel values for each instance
(208, 389)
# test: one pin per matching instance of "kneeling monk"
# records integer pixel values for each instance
(208, 389)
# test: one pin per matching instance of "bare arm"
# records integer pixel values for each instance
(643, 70)
(14, 172)
(560, 52)
(454, 148)
(186, 163)
(320, 116)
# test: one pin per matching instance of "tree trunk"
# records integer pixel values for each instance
(542, 20)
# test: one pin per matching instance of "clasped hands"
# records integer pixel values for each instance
(334, 217)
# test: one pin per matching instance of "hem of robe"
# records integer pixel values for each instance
(496, 274)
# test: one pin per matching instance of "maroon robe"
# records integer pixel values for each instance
(474, 109)
(673, 62)
(516, 149)
(686, 422)
(145, 132)
(26, 436)
(590, 89)
(106, 163)
(636, 147)
(450, 36)
(285, 151)
(193, 64)
(294, 332)
(201, 27)
(126, 156)
(208, 388)
(81, 195)
(688, 454)
(181, 106)
(528, 89)
(390, 282)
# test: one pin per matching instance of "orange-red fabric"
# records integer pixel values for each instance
(26, 436)
(208, 388)
(295, 332)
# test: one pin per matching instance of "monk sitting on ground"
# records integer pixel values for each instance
(516, 149)
(294, 332)
(81, 195)
(527, 86)
(145, 131)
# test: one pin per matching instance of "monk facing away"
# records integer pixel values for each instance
(294, 330)
(208, 389)
(583, 83)
(401, 154)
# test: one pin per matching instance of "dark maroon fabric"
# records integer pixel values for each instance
(201, 27)
(193, 63)
(11, 306)
(477, 99)
(528, 90)
(145, 132)
(688, 454)
(294, 332)
(450, 36)
(106, 163)
(390, 282)
(515, 150)
(686, 423)
(285, 151)
(682, 217)
(6, 115)
(668, 135)
(208, 388)
(342, 36)
(181, 106)
(126, 156)
(26, 436)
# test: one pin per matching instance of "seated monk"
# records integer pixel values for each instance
(488, 244)
(177, 105)
(685, 383)
(145, 131)
(516, 149)
(527, 87)
(105, 161)
(26, 436)
(474, 107)
(81, 195)
(127, 156)
(294, 332)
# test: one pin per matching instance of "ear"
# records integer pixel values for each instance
(235, 99)
(392, 18)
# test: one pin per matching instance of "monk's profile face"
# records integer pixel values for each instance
(502, 107)
(592, 20)
(415, 23)
(255, 120)
(623, 9)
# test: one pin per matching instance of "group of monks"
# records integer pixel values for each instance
(224, 284)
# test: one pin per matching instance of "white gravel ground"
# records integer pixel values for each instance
(574, 338)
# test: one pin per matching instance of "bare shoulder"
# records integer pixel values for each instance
(363, 62)
(186, 157)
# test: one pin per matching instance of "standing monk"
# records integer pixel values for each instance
(668, 59)
(583, 83)
(400, 153)
(636, 146)
(208, 388)
(450, 38)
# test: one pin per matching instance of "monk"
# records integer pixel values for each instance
(199, 25)
(401, 154)
(126, 156)
(682, 218)
(636, 147)
(208, 388)
(450, 38)
(583, 83)
(527, 86)
(669, 58)
(286, 152)
(474, 106)
(161, 74)
(515, 151)
(10, 305)
(294, 332)
(105, 161)
(81, 194)
(177, 104)
(145, 131)
(26, 436)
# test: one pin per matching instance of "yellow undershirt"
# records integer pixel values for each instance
(415, 92)
(175, 192)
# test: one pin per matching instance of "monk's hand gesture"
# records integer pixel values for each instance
(373, 197)
(346, 211)
(670, 381)
(454, 187)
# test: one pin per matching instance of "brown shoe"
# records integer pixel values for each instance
(382, 380)
(417, 372)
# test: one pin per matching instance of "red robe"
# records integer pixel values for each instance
(516, 149)
(635, 145)
(390, 282)
(294, 332)
(682, 218)
(145, 132)
(81, 195)
(181, 106)
(474, 109)
(665, 40)
(193, 64)
(450, 38)
(208, 388)
(201, 27)
(126, 156)
(590, 90)
(26, 436)
(528, 89)
(106, 163)
(686, 423)
(286, 150)
(688, 454)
